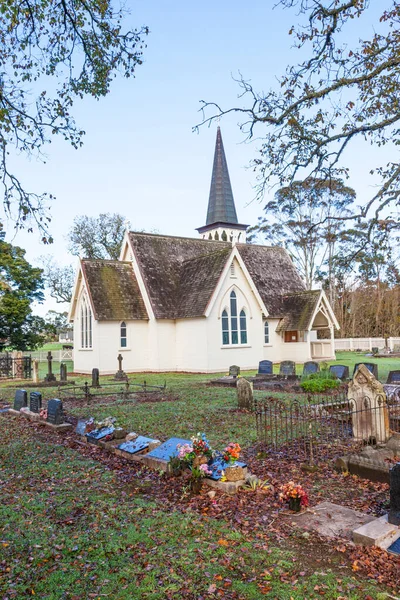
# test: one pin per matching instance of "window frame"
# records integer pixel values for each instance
(234, 324)
(86, 324)
(123, 327)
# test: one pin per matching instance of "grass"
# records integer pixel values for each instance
(70, 529)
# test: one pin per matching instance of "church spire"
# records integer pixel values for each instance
(221, 206)
(222, 222)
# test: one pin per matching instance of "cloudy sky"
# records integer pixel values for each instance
(140, 157)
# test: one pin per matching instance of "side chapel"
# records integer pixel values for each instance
(197, 304)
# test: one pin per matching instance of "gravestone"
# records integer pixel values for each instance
(50, 375)
(120, 375)
(310, 367)
(81, 427)
(95, 377)
(287, 368)
(20, 399)
(234, 371)
(18, 364)
(99, 434)
(63, 372)
(340, 371)
(140, 444)
(35, 368)
(244, 391)
(265, 367)
(168, 449)
(393, 377)
(394, 511)
(55, 412)
(372, 368)
(367, 399)
(35, 402)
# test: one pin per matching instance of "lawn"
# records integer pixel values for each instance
(76, 523)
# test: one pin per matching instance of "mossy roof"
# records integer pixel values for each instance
(114, 290)
(273, 274)
(299, 309)
(180, 274)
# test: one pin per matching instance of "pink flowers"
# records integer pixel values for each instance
(185, 452)
(205, 470)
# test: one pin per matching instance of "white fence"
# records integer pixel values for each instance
(366, 343)
(58, 355)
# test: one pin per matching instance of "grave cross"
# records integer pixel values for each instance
(50, 376)
(120, 359)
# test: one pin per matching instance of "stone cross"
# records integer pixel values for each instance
(394, 511)
(234, 371)
(244, 391)
(367, 399)
(120, 359)
(120, 375)
(50, 375)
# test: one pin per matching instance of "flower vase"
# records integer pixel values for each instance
(234, 473)
(295, 504)
(196, 485)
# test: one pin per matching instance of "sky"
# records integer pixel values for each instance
(140, 156)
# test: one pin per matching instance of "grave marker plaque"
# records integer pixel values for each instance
(168, 449)
(135, 446)
(310, 367)
(35, 402)
(287, 368)
(372, 368)
(99, 434)
(394, 511)
(55, 412)
(340, 371)
(81, 427)
(20, 399)
(265, 367)
(393, 377)
(234, 371)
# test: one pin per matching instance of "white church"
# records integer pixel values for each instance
(197, 304)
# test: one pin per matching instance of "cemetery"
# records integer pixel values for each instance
(305, 469)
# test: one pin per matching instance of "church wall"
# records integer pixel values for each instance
(191, 345)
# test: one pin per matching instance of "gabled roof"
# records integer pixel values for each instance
(273, 274)
(113, 290)
(221, 206)
(179, 274)
(299, 310)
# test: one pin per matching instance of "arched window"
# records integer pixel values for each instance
(243, 327)
(86, 323)
(224, 237)
(209, 236)
(225, 328)
(123, 335)
(234, 325)
(216, 236)
(266, 332)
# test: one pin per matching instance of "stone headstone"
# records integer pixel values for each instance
(18, 364)
(265, 367)
(20, 399)
(394, 510)
(367, 399)
(140, 444)
(63, 372)
(287, 368)
(244, 394)
(50, 375)
(310, 367)
(372, 368)
(35, 402)
(99, 434)
(234, 371)
(35, 370)
(55, 412)
(95, 377)
(340, 371)
(81, 427)
(393, 377)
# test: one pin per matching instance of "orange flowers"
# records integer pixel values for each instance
(231, 452)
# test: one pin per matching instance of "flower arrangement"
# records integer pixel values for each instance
(200, 471)
(201, 445)
(293, 494)
(231, 453)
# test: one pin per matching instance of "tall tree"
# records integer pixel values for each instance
(345, 88)
(97, 237)
(58, 279)
(20, 285)
(52, 53)
(303, 218)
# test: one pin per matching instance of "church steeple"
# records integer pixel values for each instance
(222, 222)
(221, 206)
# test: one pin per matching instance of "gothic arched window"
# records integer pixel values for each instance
(243, 327)
(123, 338)
(266, 333)
(86, 323)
